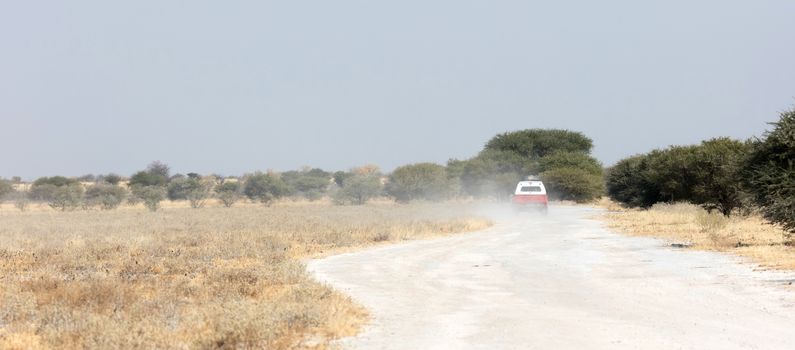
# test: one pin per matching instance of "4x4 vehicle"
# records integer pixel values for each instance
(530, 195)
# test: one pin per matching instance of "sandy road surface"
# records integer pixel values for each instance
(560, 282)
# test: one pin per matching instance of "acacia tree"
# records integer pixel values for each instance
(358, 185)
(538, 143)
(770, 172)
(228, 193)
(264, 187)
(104, 195)
(717, 166)
(418, 181)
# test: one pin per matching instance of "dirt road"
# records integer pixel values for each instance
(560, 282)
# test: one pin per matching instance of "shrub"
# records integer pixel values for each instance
(104, 195)
(5, 188)
(573, 184)
(717, 167)
(264, 187)
(58, 191)
(151, 196)
(418, 181)
(156, 174)
(358, 188)
(111, 178)
(626, 183)
(43, 188)
(770, 172)
(228, 193)
(65, 197)
(707, 174)
(199, 193)
(311, 184)
(21, 202)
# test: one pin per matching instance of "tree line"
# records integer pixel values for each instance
(561, 157)
(719, 174)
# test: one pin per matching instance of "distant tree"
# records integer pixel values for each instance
(21, 201)
(158, 168)
(770, 172)
(16, 179)
(228, 193)
(308, 183)
(264, 187)
(87, 178)
(419, 181)
(104, 195)
(538, 143)
(194, 176)
(5, 188)
(43, 189)
(340, 176)
(358, 188)
(151, 196)
(179, 187)
(156, 174)
(66, 197)
(111, 178)
(198, 195)
(144, 178)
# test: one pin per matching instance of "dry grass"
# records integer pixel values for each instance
(690, 225)
(191, 278)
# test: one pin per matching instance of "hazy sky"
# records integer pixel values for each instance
(231, 86)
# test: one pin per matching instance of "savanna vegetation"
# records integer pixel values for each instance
(209, 277)
(722, 194)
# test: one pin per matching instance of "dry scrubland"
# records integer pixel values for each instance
(690, 225)
(191, 278)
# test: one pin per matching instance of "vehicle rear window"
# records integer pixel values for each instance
(531, 189)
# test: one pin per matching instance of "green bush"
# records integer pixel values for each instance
(111, 178)
(59, 192)
(358, 188)
(228, 193)
(717, 166)
(156, 174)
(66, 197)
(418, 181)
(512, 156)
(104, 195)
(707, 174)
(770, 172)
(5, 188)
(264, 187)
(311, 184)
(626, 183)
(575, 184)
(151, 196)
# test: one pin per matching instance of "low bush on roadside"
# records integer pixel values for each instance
(708, 174)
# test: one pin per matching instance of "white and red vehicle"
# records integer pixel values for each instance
(530, 195)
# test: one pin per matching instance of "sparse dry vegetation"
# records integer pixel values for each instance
(212, 277)
(690, 225)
